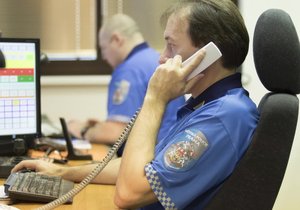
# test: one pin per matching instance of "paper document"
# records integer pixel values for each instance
(78, 144)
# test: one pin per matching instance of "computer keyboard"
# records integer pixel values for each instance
(34, 187)
(8, 162)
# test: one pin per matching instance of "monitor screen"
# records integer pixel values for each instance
(20, 112)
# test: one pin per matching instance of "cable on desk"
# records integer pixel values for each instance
(96, 170)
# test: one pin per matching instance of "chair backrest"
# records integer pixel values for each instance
(256, 181)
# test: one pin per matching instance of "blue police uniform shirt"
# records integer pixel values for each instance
(203, 147)
(128, 86)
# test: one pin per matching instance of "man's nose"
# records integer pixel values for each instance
(163, 57)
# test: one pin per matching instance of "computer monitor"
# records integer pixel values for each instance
(20, 111)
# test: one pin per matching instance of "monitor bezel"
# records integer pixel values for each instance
(28, 138)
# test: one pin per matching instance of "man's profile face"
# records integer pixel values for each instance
(107, 51)
(177, 39)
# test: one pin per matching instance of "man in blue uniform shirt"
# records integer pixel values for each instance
(186, 167)
(124, 48)
(213, 129)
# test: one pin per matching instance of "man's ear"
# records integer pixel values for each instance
(118, 38)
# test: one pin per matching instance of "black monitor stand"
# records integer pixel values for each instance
(72, 154)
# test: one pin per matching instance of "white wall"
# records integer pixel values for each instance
(251, 9)
(74, 97)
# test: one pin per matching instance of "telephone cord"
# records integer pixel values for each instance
(96, 170)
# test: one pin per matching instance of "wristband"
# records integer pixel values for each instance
(84, 131)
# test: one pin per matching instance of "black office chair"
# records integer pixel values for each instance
(256, 180)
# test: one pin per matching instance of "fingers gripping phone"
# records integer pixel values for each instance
(212, 54)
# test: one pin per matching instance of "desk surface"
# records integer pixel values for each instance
(92, 197)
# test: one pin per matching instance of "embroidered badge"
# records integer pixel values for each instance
(121, 92)
(187, 149)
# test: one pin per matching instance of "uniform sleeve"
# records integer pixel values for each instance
(196, 158)
(126, 95)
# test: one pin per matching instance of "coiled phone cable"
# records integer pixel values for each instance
(123, 137)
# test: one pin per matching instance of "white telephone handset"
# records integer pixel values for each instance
(212, 54)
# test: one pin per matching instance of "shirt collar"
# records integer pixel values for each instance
(137, 48)
(213, 92)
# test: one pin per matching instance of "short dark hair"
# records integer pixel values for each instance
(218, 21)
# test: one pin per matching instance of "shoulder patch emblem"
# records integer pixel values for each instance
(121, 92)
(187, 149)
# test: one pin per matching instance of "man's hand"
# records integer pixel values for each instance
(75, 127)
(40, 166)
(170, 79)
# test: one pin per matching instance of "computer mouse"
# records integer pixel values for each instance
(26, 170)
